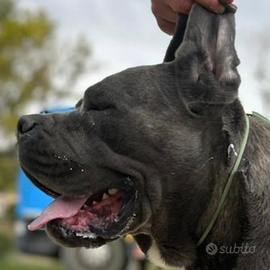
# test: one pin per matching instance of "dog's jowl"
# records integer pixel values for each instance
(149, 152)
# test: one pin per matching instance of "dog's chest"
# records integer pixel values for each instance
(154, 256)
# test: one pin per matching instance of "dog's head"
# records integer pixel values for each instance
(138, 153)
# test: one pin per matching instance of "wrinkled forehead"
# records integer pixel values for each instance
(133, 86)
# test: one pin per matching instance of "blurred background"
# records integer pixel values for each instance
(51, 52)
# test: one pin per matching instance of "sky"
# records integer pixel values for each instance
(124, 34)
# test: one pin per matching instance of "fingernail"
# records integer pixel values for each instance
(221, 9)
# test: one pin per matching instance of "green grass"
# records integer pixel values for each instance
(20, 261)
(11, 259)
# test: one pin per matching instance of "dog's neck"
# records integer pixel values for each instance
(234, 160)
(227, 229)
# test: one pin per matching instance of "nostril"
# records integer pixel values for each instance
(25, 125)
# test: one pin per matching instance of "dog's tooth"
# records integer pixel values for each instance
(113, 191)
(94, 202)
(105, 196)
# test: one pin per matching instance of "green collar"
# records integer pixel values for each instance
(231, 177)
(258, 115)
(230, 180)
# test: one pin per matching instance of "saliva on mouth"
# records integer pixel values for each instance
(106, 214)
(99, 212)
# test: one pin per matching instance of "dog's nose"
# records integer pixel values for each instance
(25, 125)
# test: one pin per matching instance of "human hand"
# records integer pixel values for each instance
(166, 11)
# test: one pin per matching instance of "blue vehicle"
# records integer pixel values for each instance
(117, 255)
(31, 202)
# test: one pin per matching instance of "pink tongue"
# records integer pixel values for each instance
(60, 208)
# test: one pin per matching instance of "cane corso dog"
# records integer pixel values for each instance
(148, 152)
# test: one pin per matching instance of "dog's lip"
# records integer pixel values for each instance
(126, 220)
(74, 241)
(49, 191)
(40, 186)
(93, 236)
(128, 184)
(129, 190)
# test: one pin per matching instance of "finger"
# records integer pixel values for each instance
(164, 12)
(212, 5)
(166, 26)
(181, 6)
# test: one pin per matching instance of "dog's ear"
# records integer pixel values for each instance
(177, 38)
(206, 61)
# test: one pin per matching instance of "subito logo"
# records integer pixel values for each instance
(211, 249)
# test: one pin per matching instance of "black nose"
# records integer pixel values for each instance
(25, 125)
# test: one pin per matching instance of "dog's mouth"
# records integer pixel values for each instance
(91, 220)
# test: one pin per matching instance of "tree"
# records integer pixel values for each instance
(34, 65)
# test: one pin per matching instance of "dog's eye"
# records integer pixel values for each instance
(99, 107)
